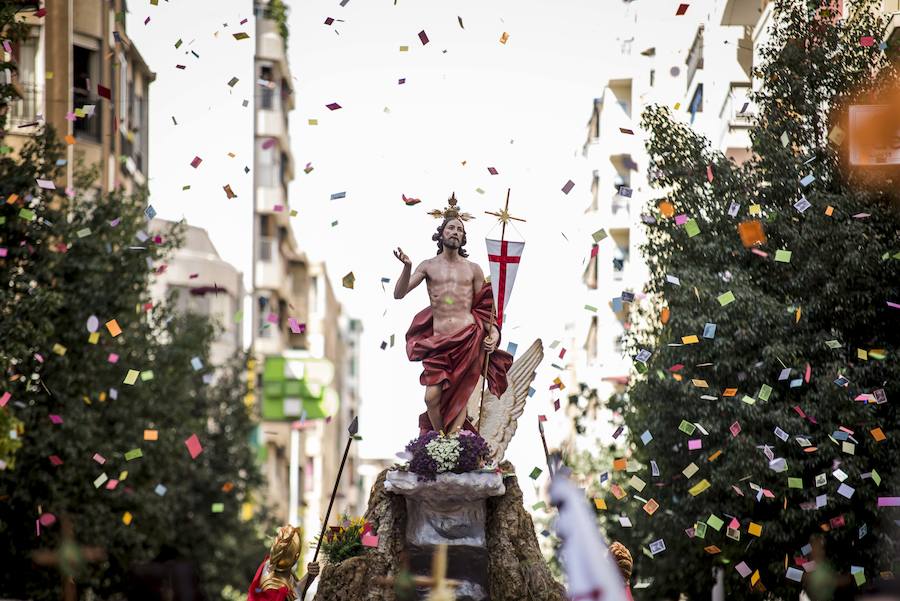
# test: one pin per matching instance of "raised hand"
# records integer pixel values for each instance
(402, 256)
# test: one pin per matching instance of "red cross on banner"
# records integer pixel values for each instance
(504, 257)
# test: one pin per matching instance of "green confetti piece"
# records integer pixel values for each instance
(832, 344)
(783, 256)
(178, 43)
(726, 298)
(859, 577)
(84, 232)
(183, 188)
(876, 478)
(131, 377)
(479, 190)
(691, 228)
(2, 220)
(535, 473)
(238, 316)
(599, 235)
(795, 482)
(591, 308)
(748, 399)
(538, 505)
(26, 214)
(686, 427)
(334, 224)
(715, 522)
(764, 392)
(133, 454)
(146, 376)
(700, 530)
(218, 507)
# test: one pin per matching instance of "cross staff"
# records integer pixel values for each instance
(441, 586)
(504, 217)
(68, 558)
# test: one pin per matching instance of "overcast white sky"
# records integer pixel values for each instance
(521, 107)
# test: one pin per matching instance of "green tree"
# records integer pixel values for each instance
(67, 259)
(808, 344)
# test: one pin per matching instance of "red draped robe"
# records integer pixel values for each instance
(454, 361)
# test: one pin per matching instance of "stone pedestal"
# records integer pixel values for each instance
(449, 510)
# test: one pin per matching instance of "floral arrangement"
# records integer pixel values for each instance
(345, 541)
(435, 453)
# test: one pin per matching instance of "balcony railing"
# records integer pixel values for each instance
(737, 107)
(26, 109)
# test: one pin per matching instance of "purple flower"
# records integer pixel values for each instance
(473, 454)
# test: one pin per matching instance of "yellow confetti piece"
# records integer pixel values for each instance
(754, 578)
(313, 121)
(404, 48)
(861, 354)
(754, 529)
(246, 512)
(699, 383)
(600, 504)
(126, 519)
(59, 349)
(94, 338)
(699, 487)
(131, 377)
(692, 339)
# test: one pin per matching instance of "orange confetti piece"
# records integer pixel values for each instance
(666, 208)
(113, 326)
(151, 435)
(664, 315)
(751, 233)
(877, 434)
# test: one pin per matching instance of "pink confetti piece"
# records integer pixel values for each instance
(3, 251)
(47, 519)
(272, 318)
(681, 219)
(55, 460)
(423, 37)
(493, 171)
(45, 184)
(193, 446)
(111, 484)
(4, 399)
(7, 46)
(568, 187)
(56, 419)
(268, 143)
(196, 162)
(279, 208)
(866, 41)
(99, 458)
(333, 106)
(369, 540)
(296, 327)
(893, 305)
(113, 358)
(889, 501)
(695, 443)
(147, 20)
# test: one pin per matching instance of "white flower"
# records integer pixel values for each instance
(445, 452)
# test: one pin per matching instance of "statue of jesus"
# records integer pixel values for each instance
(452, 336)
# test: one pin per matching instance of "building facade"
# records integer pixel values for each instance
(700, 65)
(204, 284)
(306, 392)
(80, 73)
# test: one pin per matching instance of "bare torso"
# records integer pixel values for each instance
(451, 287)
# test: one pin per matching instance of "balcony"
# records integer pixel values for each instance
(88, 127)
(737, 117)
(272, 124)
(24, 111)
(272, 200)
(269, 265)
(269, 43)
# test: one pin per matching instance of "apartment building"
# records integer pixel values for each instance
(301, 342)
(80, 73)
(648, 70)
(204, 284)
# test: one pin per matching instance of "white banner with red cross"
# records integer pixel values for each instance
(504, 257)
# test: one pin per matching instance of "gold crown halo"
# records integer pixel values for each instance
(451, 212)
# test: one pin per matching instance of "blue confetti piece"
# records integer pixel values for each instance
(511, 348)
(196, 363)
(617, 304)
(338, 195)
(807, 180)
(531, 391)
(709, 331)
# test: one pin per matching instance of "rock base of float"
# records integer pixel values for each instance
(491, 545)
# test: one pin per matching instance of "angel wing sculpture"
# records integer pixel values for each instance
(499, 416)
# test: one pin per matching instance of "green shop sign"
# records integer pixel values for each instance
(293, 386)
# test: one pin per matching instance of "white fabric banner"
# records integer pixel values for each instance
(504, 260)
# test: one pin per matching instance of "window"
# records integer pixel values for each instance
(268, 168)
(261, 316)
(25, 109)
(267, 88)
(696, 105)
(620, 260)
(652, 77)
(86, 73)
